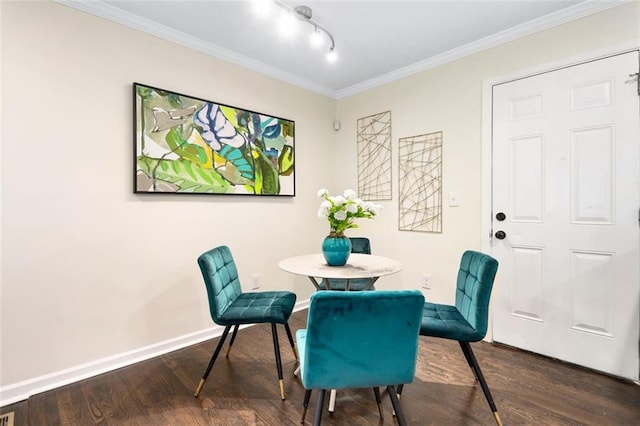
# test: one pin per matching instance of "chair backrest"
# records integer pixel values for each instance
(221, 279)
(360, 245)
(361, 339)
(475, 282)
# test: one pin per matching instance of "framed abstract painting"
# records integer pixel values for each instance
(188, 145)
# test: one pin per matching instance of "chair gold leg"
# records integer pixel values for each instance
(473, 362)
(213, 360)
(317, 420)
(291, 341)
(305, 404)
(233, 339)
(199, 388)
(376, 392)
(295, 352)
(276, 348)
(398, 395)
(396, 406)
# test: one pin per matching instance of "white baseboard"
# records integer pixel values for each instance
(23, 390)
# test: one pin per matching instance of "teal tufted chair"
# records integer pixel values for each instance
(466, 321)
(358, 245)
(359, 339)
(231, 307)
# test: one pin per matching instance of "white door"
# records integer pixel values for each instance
(566, 169)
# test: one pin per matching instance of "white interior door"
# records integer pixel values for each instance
(566, 169)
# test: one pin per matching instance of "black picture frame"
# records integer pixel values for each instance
(188, 145)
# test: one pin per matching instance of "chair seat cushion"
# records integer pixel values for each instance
(447, 322)
(259, 307)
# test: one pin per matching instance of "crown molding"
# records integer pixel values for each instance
(103, 10)
(540, 24)
(111, 13)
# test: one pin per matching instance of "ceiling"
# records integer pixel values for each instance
(376, 41)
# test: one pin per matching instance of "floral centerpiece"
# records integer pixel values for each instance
(341, 212)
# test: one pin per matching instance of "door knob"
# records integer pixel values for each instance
(501, 235)
(501, 216)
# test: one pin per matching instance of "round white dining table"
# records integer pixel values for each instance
(358, 266)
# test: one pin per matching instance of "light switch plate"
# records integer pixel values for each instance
(454, 199)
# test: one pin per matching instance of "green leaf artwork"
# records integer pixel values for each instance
(193, 146)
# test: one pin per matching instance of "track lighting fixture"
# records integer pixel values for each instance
(304, 14)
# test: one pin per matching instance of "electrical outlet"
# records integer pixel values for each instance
(426, 281)
(255, 280)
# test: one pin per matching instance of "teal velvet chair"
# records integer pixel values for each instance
(362, 339)
(360, 245)
(467, 321)
(230, 307)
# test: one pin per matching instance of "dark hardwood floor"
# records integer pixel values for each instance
(243, 390)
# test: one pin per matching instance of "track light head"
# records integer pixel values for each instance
(332, 56)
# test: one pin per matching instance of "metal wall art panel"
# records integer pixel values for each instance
(420, 183)
(374, 157)
(188, 145)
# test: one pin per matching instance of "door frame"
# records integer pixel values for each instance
(487, 130)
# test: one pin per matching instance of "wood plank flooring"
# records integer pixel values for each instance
(243, 390)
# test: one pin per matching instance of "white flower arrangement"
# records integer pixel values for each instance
(341, 211)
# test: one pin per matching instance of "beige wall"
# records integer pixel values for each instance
(90, 270)
(449, 99)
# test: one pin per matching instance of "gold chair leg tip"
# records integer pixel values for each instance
(498, 419)
(282, 389)
(199, 388)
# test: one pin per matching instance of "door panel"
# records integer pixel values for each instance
(525, 178)
(566, 172)
(590, 274)
(592, 175)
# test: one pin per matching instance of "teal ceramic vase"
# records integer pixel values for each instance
(336, 249)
